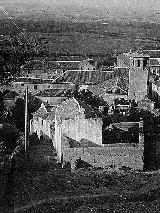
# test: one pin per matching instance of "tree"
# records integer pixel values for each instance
(18, 114)
(9, 136)
(19, 110)
(33, 104)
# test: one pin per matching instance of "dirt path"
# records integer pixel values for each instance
(110, 197)
(34, 189)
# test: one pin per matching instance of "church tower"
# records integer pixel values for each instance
(138, 75)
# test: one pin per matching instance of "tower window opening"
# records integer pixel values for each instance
(138, 63)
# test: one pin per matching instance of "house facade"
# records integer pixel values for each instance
(154, 67)
(43, 121)
(34, 85)
(154, 90)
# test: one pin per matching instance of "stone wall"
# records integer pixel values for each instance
(78, 128)
(115, 155)
(137, 83)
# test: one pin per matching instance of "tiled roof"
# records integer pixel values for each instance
(84, 77)
(52, 65)
(52, 93)
(68, 65)
(120, 81)
(153, 53)
(34, 64)
(154, 61)
(33, 80)
(102, 87)
(137, 54)
(106, 68)
(47, 64)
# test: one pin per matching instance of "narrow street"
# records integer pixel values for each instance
(41, 158)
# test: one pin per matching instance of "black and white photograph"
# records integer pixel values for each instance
(79, 106)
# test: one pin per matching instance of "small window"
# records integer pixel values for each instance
(42, 122)
(35, 87)
(22, 84)
(138, 63)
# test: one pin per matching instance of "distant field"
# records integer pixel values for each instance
(89, 38)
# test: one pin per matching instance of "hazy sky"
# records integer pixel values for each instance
(25, 7)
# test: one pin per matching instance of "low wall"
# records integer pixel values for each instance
(115, 156)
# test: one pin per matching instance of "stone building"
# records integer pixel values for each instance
(154, 67)
(154, 90)
(77, 121)
(137, 63)
(34, 85)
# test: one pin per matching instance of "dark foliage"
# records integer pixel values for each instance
(33, 104)
(13, 54)
(33, 139)
(9, 136)
(18, 114)
(89, 98)
(19, 110)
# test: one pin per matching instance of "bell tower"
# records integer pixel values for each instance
(138, 75)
